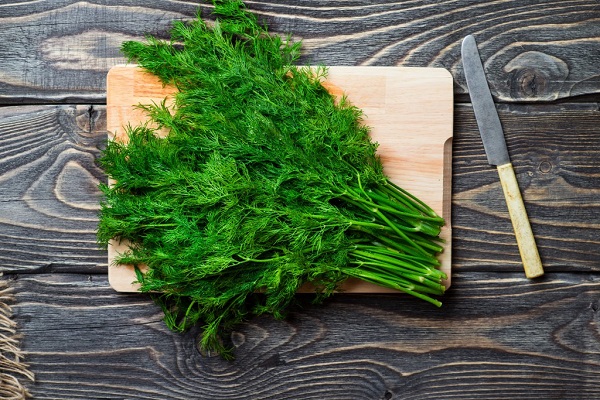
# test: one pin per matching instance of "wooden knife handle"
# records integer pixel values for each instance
(518, 215)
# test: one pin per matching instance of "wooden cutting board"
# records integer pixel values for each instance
(409, 110)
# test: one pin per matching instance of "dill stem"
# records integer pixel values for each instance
(399, 232)
(418, 282)
(372, 209)
(427, 243)
(432, 286)
(399, 193)
(155, 225)
(389, 206)
(380, 196)
(427, 262)
(271, 259)
(395, 244)
(422, 223)
(375, 278)
(370, 225)
(412, 281)
(396, 260)
(398, 196)
(418, 222)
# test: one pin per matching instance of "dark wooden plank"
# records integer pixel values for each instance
(61, 50)
(49, 198)
(555, 152)
(49, 193)
(496, 337)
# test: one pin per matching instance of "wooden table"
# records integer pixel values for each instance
(498, 335)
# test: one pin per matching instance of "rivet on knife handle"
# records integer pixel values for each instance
(492, 136)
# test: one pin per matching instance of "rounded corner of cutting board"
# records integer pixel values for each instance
(117, 70)
(444, 72)
(120, 278)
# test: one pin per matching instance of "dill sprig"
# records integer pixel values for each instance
(263, 183)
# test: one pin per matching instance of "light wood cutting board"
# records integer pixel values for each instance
(409, 110)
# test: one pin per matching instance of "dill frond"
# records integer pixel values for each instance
(264, 182)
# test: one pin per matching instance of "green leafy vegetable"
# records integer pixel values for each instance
(263, 183)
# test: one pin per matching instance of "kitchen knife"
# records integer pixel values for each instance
(497, 155)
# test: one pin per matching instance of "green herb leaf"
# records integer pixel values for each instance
(264, 182)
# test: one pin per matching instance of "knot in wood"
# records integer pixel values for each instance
(529, 82)
(536, 76)
(545, 167)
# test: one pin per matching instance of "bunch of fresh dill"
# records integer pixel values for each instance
(263, 183)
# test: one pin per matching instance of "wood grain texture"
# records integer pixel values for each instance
(496, 337)
(49, 197)
(532, 50)
(61, 50)
(555, 152)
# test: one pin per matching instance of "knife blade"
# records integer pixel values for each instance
(496, 151)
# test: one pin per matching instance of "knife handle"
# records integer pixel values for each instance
(518, 215)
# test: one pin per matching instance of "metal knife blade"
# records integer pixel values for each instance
(488, 122)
